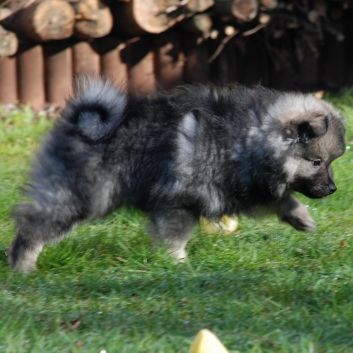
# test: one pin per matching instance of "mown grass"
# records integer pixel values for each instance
(266, 288)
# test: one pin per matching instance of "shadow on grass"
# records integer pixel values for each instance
(180, 303)
(111, 277)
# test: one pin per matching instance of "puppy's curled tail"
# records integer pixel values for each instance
(97, 108)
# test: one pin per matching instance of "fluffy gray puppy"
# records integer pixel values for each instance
(199, 150)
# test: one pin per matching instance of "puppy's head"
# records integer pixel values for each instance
(315, 132)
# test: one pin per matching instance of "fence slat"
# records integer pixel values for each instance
(30, 70)
(141, 66)
(113, 60)
(58, 71)
(8, 80)
(86, 58)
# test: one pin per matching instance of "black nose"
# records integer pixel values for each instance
(332, 187)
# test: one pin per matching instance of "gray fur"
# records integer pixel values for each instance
(199, 151)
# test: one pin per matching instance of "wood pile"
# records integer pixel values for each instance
(152, 44)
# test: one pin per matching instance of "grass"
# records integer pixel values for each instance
(266, 288)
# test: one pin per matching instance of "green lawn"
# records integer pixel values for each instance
(266, 288)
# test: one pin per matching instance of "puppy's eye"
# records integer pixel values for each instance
(316, 162)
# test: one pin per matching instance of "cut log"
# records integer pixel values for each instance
(85, 9)
(169, 60)
(8, 42)
(113, 60)
(319, 10)
(243, 10)
(264, 18)
(58, 71)
(136, 17)
(200, 24)
(214, 34)
(86, 58)
(269, 4)
(313, 16)
(141, 66)
(5, 12)
(15, 5)
(93, 19)
(8, 39)
(230, 31)
(30, 70)
(8, 80)
(199, 5)
(42, 20)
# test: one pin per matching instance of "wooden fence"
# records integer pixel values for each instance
(301, 45)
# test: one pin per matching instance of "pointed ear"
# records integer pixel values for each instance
(306, 130)
(310, 129)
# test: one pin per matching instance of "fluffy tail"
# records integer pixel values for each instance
(97, 109)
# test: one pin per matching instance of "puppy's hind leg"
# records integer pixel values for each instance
(38, 224)
(172, 228)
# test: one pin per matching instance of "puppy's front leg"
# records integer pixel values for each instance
(173, 229)
(290, 210)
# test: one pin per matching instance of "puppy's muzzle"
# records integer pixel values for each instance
(332, 188)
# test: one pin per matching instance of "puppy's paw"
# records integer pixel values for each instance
(299, 219)
(179, 255)
(23, 257)
(290, 210)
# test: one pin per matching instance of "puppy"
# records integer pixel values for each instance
(198, 151)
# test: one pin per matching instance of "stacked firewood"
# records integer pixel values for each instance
(150, 44)
(46, 20)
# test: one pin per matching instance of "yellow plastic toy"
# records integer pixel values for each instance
(207, 342)
(225, 224)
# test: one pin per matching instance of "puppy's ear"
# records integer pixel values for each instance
(308, 129)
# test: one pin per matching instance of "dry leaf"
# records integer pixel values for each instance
(121, 259)
(72, 325)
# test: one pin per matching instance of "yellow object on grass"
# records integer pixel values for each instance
(207, 342)
(225, 224)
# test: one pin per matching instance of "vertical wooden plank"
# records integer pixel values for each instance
(253, 63)
(224, 67)
(58, 71)
(86, 59)
(333, 55)
(307, 60)
(113, 60)
(282, 75)
(169, 60)
(196, 51)
(30, 71)
(8, 80)
(141, 65)
(348, 32)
